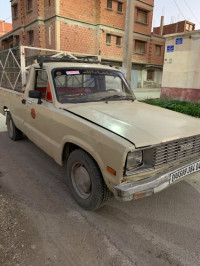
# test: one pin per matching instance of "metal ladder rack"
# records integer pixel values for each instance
(15, 62)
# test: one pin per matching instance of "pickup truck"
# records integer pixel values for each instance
(86, 117)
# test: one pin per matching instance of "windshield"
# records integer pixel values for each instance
(89, 85)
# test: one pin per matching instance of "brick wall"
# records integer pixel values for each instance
(173, 28)
(111, 17)
(17, 21)
(111, 50)
(50, 27)
(32, 14)
(141, 27)
(153, 58)
(42, 39)
(149, 2)
(79, 39)
(82, 11)
(6, 44)
(49, 8)
(141, 58)
(36, 35)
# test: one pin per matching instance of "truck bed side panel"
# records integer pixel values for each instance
(12, 100)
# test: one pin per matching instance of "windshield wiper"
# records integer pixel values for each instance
(74, 101)
(114, 97)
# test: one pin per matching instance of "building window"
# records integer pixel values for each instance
(158, 50)
(17, 40)
(140, 47)
(108, 39)
(150, 75)
(142, 16)
(118, 40)
(189, 27)
(119, 7)
(15, 11)
(29, 5)
(109, 4)
(30, 37)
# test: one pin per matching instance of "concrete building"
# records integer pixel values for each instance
(5, 27)
(92, 27)
(178, 27)
(181, 73)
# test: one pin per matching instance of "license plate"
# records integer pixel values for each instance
(187, 170)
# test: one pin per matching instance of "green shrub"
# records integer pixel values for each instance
(184, 107)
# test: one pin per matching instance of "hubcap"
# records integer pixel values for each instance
(81, 180)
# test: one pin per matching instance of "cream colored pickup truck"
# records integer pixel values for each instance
(86, 117)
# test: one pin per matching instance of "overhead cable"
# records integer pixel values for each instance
(179, 9)
(6, 18)
(192, 12)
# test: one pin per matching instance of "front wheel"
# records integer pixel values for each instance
(13, 132)
(85, 181)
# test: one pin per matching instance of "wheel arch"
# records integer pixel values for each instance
(91, 193)
(69, 147)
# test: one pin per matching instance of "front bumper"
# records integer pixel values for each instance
(148, 186)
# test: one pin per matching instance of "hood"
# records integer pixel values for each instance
(141, 124)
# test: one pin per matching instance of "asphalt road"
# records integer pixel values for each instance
(160, 230)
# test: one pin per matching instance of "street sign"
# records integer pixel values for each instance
(179, 41)
(170, 48)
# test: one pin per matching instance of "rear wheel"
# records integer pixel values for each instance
(85, 181)
(13, 132)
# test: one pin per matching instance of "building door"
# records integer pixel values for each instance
(134, 78)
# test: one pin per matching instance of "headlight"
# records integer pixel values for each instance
(134, 160)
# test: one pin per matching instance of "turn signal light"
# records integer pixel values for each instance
(111, 171)
(143, 194)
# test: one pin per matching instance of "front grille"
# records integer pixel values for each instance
(176, 150)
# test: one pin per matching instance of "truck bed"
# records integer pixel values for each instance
(10, 99)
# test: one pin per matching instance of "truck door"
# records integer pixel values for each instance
(38, 116)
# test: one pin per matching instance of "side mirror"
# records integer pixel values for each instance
(36, 95)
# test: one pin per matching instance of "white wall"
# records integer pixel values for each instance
(182, 67)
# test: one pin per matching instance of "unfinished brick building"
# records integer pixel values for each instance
(178, 27)
(5, 27)
(92, 27)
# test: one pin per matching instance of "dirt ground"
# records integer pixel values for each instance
(18, 238)
(40, 224)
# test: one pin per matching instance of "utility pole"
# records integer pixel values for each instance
(128, 40)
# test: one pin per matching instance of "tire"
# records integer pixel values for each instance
(85, 181)
(13, 132)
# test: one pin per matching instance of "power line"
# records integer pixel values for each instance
(6, 18)
(192, 12)
(179, 9)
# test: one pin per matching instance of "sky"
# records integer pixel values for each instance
(176, 10)
(173, 10)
